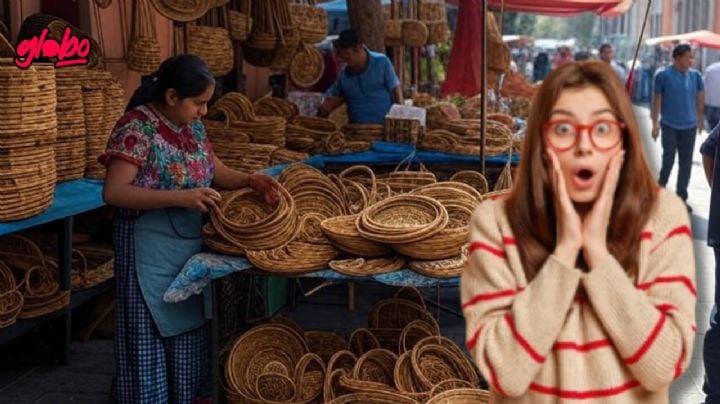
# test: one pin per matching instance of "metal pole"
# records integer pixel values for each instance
(483, 110)
(637, 47)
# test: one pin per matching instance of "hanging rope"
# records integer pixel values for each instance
(99, 28)
(631, 76)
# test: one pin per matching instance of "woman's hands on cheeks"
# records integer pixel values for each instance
(569, 239)
(265, 186)
(597, 220)
(588, 234)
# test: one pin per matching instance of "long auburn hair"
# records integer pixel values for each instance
(530, 206)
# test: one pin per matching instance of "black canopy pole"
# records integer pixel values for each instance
(483, 108)
(639, 42)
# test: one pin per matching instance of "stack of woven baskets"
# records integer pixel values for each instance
(239, 111)
(433, 14)
(400, 358)
(34, 277)
(354, 212)
(27, 137)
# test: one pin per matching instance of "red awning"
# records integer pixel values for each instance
(558, 7)
(703, 38)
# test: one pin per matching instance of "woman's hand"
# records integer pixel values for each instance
(596, 223)
(202, 199)
(265, 186)
(568, 225)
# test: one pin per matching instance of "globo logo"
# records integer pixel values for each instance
(70, 51)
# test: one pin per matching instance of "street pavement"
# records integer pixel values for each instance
(688, 389)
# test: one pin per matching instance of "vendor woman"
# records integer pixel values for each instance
(367, 83)
(160, 166)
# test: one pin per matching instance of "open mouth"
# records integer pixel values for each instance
(584, 178)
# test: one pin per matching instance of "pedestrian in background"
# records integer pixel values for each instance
(711, 344)
(679, 103)
(607, 55)
(712, 94)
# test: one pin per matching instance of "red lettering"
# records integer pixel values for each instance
(50, 48)
(24, 54)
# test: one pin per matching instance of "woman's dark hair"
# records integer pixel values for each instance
(189, 75)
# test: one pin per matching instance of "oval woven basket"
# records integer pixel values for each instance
(361, 267)
(325, 344)
(309, 378)
(461, 396)
(472, 178)
(214, 46)
(402, 219)
(377, 366)
(442, 269)
(342, 232)
(397, 314)
(361, 341)
(445, 244)
(414, 33)
(181, 10)
(449, 384)
(307, 67)
(375, 397)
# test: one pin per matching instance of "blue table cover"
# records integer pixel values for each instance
(71, 198)
(204, 267)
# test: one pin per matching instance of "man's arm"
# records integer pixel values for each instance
(655, 114)
(708, 163)
(329, 105)
(700, 105)
(398, 95)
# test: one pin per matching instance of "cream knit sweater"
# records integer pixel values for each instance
(541, 342)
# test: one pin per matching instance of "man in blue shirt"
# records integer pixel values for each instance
(679, 100)
(711, 345)
(367, 83)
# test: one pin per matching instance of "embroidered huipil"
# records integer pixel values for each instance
(543, 342)
(169, 157)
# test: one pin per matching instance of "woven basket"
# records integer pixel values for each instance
(438, 32)
(182, 10)
(286, 49)
(411, 294)
(396, 314)
(251, 344)
(461, 396)
(11, 298)
(406, 381)
(376, 366)
(293, 258)
(311, 20)
(414, 33)
(361, 341)
(360, 267)
(239, 25)
(307, 67)
(445, 244)
(451, 193)
(449, 384)
(275, 388)
(415, 332)
(214, 46)
(436, 359)
(309, 378)
(472, 178)
(442, 269)
(402, 219)
(373, 397)
(342, 360)
(342, 232)
(324, 344)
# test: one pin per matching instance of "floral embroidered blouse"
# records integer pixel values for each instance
(169, 157)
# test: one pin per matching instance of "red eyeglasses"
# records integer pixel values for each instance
(563, 135)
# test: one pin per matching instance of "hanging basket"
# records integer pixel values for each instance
(307, 67)
(239, 25)
(414, 33)
(311, 20)
(214, 46)
(182, 10)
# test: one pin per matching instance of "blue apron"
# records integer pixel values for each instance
(164, 240)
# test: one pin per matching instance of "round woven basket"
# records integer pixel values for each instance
(143, 55)
(361, 267)
(442, 269)
(361, 341)
(307, 67)
(472, 178)
(437, 358)
(406, 381)
(461, 396)
(438, 32)
(373, 397)
(396, 314)
(274, 388)
(312, 22)
(414, 33)
(182, 10)
(293, 258)
(343, 360)
(449, 384)
(343, 233)
(248, 347)
(415, 332)
(324, 344)
(445, 244)
(309, 378)
(377, 366)
(402, 219)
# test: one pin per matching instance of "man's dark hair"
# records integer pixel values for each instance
(347, 39)
(604, 46)
(681, 50)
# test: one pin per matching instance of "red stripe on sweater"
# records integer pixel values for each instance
(493, 377)
(522, 341)
(669, 279)
(574, 346)
(648, 342)
(665, 307)
(646, 235)
(694, 328)
(477, 245)
(474, 339)
(584, 394)
(678, 365)
(683, 230)
(509, 241)
(488, 296)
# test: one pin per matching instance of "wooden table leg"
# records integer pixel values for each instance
(351, 296)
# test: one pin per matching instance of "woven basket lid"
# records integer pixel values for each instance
(182, 10)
